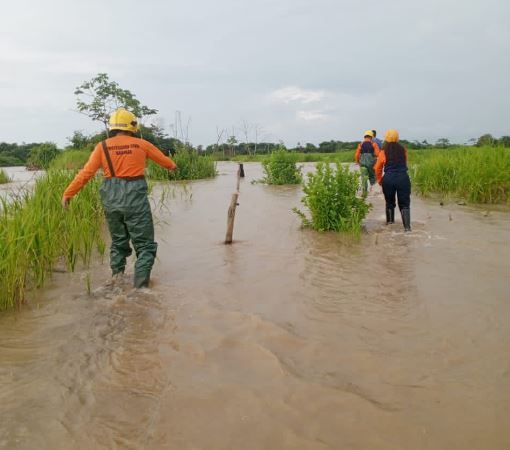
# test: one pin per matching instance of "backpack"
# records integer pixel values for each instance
(367, 147)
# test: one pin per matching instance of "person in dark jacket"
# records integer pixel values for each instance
(392, 160)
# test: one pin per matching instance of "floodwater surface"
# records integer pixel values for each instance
(21, 181)
(287, 339)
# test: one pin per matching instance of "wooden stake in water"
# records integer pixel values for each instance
(232, 209)
(230, 218)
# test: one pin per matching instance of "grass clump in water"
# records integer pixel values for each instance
(70, 160)
(190, 166)
(331, 197)
(280, 168)
(477, 174)
(36, 234)
(4, 178)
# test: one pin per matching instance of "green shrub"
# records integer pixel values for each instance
(190, 166)
(280, 168)
(4, 178)
(70, 159)
(330, 196)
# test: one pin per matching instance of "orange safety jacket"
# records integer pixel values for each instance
(358, 149)
(379, 165)
(127, 154)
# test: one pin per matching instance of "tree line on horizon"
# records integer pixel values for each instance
(99, 97)
(38, 154)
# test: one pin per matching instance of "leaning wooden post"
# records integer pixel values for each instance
(230, 218)
(232, 211)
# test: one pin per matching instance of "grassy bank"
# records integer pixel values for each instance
(36, 234)
(347, 156)
(476, 174)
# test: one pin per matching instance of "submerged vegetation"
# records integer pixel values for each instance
(331, 197)
(477, 174)
(37, 234)
(190, 166)
(280, 168)
(4, 178)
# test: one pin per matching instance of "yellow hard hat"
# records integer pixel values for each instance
(391, 136)
(123, 120)
(368, 133)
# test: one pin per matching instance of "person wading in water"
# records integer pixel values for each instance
(393, 160)
(124, 193)
(366, 154)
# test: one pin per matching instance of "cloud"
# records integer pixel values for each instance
(295, 94)
(287, 65)
(312, 116)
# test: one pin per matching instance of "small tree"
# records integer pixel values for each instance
(504, 141)
(232, 142)
(99, 97)
(443, 143)
(485, 140)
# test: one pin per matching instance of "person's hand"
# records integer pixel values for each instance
(65, 203)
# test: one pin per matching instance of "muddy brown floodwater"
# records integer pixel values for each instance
(288, 339)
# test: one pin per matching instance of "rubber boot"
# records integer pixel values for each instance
(141, 281)
(390, 215)
(406, 218)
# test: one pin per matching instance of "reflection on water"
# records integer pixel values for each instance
(288, 339)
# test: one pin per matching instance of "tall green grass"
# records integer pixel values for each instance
(70, 160)
(280, 168)
(344, 157)
(331, 198)
(36, 234)
(190, 166)
(4, 178)
(477, 174)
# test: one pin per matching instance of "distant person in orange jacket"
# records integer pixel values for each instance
(366, 155)
(124, 193)
(395, 181)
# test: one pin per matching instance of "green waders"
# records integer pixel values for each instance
(367, 162)
(129, 217)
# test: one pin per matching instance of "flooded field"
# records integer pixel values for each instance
(21, 179)
(288, 339)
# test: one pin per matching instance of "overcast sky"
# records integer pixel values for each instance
(303, 70)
